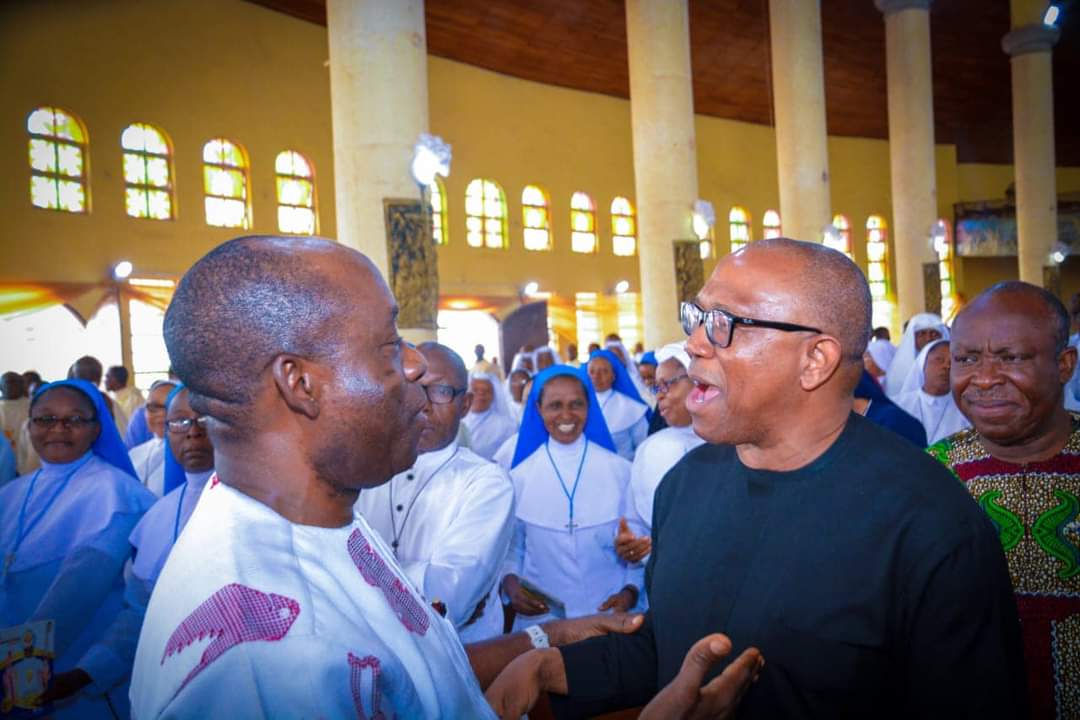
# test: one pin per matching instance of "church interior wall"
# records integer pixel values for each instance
(206, 68)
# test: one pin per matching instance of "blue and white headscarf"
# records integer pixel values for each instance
(108, 446)
(174, 471)
(533, 434)
(624, 384)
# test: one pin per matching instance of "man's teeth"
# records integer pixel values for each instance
(566, 427)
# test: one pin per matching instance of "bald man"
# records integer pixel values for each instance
(278, 598)
(870, 582)
(1021, 462)
(449, 518)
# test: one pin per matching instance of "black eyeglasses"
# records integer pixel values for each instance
(720, 324)
(74, 422)
(182, 425)
(440, 394)
(664, 386)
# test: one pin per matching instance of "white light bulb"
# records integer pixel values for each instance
(122, 270)
(622, 286)
(1051, 16)
(532, 288)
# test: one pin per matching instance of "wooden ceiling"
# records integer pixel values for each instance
(581, 44)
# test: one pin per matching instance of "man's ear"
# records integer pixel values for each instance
(1066, 364)
(297, 384)
(822, 358)
(466, 404)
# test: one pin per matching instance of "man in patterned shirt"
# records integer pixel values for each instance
(1021, 462)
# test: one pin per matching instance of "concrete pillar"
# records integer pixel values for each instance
(379, 104)
(665, 154)
(802, 150)
(911, 146)
(1029, 45)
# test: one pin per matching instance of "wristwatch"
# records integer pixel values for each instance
(538, 637)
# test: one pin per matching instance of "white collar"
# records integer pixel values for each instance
(435, 458)
(574, 448)
(199, 479)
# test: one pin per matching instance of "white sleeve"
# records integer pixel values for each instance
(109, 661)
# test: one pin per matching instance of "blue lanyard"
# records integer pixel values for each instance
(568, 493)
(179, 507)
(21, 534)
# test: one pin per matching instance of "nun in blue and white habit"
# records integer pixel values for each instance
(625, 413)
(189, 464)
(64, 530)
(570, 489)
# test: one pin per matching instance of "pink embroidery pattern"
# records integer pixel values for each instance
(233, 615)
(356, 674)
(378, 574)
(214, 481)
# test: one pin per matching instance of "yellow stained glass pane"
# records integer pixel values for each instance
(225, 212)
(622, 245)
(42, 155)
(534, 217)
(583, 221)
(840, 222)
(877, 289)
(533, 195)
(70, 160)
(157, 171)
(72, 196)
(621, 206)
(494, 240)
(474, 224)
(160, 204)
(582, 242)
(155, 141)
(876, 272)
(133, 138)
(43, 192)
(134, 169)
(231, 155)
(623, 225)
(436, 235)
(944, 271)
(493, 207)
(581, 201)
(225, 183)
(875, 252)
(68, 127)
(536, 239)
(296, 220)
(135, 202)
(474, 205)
(212, 152)
(493, 225)
(294, 192)
(475, 239)
(738, 215)
(41, 122)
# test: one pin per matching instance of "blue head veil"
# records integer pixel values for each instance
(533, 434)
(108, 446)
(623, 384)
(174, 471)
(648, 358)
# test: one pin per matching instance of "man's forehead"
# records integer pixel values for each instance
(1002, 323)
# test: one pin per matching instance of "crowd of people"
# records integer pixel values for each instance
(313, 517)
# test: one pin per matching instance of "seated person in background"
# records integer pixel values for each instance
(64, 529)
(448, 519)
(570, 489)
(189, 463)
(927, 396)
(872, 403)
(1021, 462)
(126, 396)
(490, 419)
(149, 457)
(623, 409)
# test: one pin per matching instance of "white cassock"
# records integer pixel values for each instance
(488, 430)
(149, 461)
(625, 418)
(578, 567)
(129, 399)
(939, 415)
(254, 616)
(658, 454)
(13, 414)
(110, 660)
(903, 359)
(449, 520)
(69, 565)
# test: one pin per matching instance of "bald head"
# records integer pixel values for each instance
(449, 363)
(830, 290)
(86, 368)
(1014, 297)
(249, 300)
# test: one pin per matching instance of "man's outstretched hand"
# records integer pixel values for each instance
(565, 632)
(684, 697)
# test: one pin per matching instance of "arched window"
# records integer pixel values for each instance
(739, 222)
(842, 240)
(623, 227)
(944, 248)
(485, 214)
(58, 174)
(770, 224)
(582, 223)
(438, 211)
(148, 184)
(295, 194)
(877, 269)
(225, 184)
(536, 218)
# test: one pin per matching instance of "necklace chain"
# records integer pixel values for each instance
(393, 523)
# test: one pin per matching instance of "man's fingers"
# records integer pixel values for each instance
(622, 622)
(607, 604)
(705, 653)
(623, 527)
(724, 692)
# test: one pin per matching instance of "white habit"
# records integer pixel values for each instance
(149, 461)
(578, 567)
(658, 454)
(254, 616)
(939, 415)
(625, 418)
(903, 359)
(449, 520)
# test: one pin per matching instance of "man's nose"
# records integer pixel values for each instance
(413, 363)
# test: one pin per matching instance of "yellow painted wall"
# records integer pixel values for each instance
(206, 68)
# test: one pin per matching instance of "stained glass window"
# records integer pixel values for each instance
(58, 173)
(485, 214)
(877, 270)
(536, 218)
(147, 172)
(739, 223)
(295, 194)
(623, 227)
(944, 248)
(587, 316)
(582, 223)
(438, 211)
(225, 183)
(770, 224)
(842, 240)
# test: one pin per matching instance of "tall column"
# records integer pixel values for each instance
(665, 155)
(1029, 45)
(379, 104)
(802, 150)
(911, 146)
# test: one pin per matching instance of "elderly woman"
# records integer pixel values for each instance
(570, 489)
(625, 413)
(64, 529)
(491, 420)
